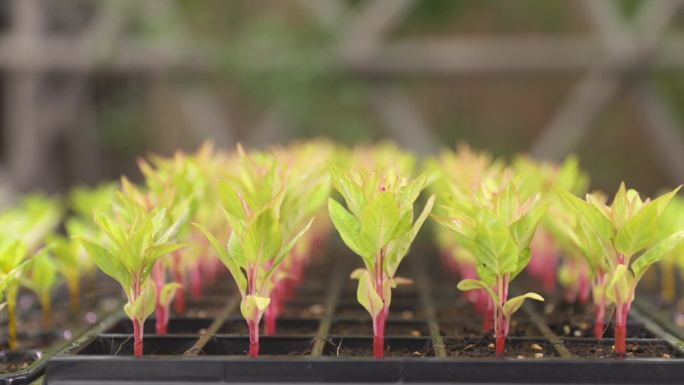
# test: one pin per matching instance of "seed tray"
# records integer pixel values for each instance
(36, 348)
(423, 343)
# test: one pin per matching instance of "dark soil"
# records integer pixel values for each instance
(366, 350)
(484, 348)
(458, 319)
(304, 310)
(591, 348)
(16, 365)
(365, 328)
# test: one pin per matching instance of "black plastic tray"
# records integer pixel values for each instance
(329, 331)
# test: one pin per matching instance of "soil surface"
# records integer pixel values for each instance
(367, 351)
(604, 349)
(16, 365)
(365, 328)
(283, 328)
(484, 348)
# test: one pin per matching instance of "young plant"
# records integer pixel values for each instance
(71, 260)
(252, 200)
(305, 198)
(497, 228)
(623, 240)
(135, 239)
(13, 262)
(378, 225)
(672, 220)
(41, 278)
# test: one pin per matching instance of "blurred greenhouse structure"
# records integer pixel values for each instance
(87, 86)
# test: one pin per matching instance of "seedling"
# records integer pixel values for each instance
(252, 201)
(135, 239)
(378, 225)
(622, 240)
(305, 197)
(459, 175)
(13, 262)
(497, 228)
(41, 278)
(672, 220)
(71, 260)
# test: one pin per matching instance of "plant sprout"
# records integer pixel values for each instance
(671, 221)
(378, 225)
(135, 240)
(459, 175)
(305, 197)
(41, 278)
(623, 241)
(252, 201)
(13, 261)
(497, 228)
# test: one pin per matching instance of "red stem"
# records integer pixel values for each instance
(137, 338)
(196, 282)
(179, 299)
(379, 333)
(253, 338)
(161, 313)
(621, 313)
(600, 315)
(501, 323)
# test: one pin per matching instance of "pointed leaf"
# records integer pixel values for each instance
(513, 304)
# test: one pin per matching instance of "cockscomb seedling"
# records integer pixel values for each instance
(305, 197)
(497, 229)
(536, 177)
(458, 176)
(42, 277)
(671, 221)
(252, 200)
(135, 239)
(623, 239)
(176, 216)
(378, 225)
(13, 263)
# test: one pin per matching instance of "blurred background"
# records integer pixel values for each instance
(87, 86)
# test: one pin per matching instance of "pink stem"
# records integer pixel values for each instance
(379, 333)
(501, 323)
(599, 317)
(161, 313)
(179, 299)
(137, 338)
(621, 313)
(196, 282)
(253, 338)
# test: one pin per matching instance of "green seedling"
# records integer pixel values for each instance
(252, 201)
(42, 277)
(13, 262)
(378, 225)
(496, 228)
(135, 239)
(621, 241)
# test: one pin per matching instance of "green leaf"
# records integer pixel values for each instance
(497, 249)
(350, 191)
(524, 228)
(285, 250)
(262, 238)
(378, 221)
(107, 262)
(638, 232)
(167, 293)
(349, 229)
(227, 258)
(474, 284)
(366, 294)
(144, 305)
(513, 304)
(153, 253)
(656, 253)
(619, 288)
(408, 193)
(252, 307)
